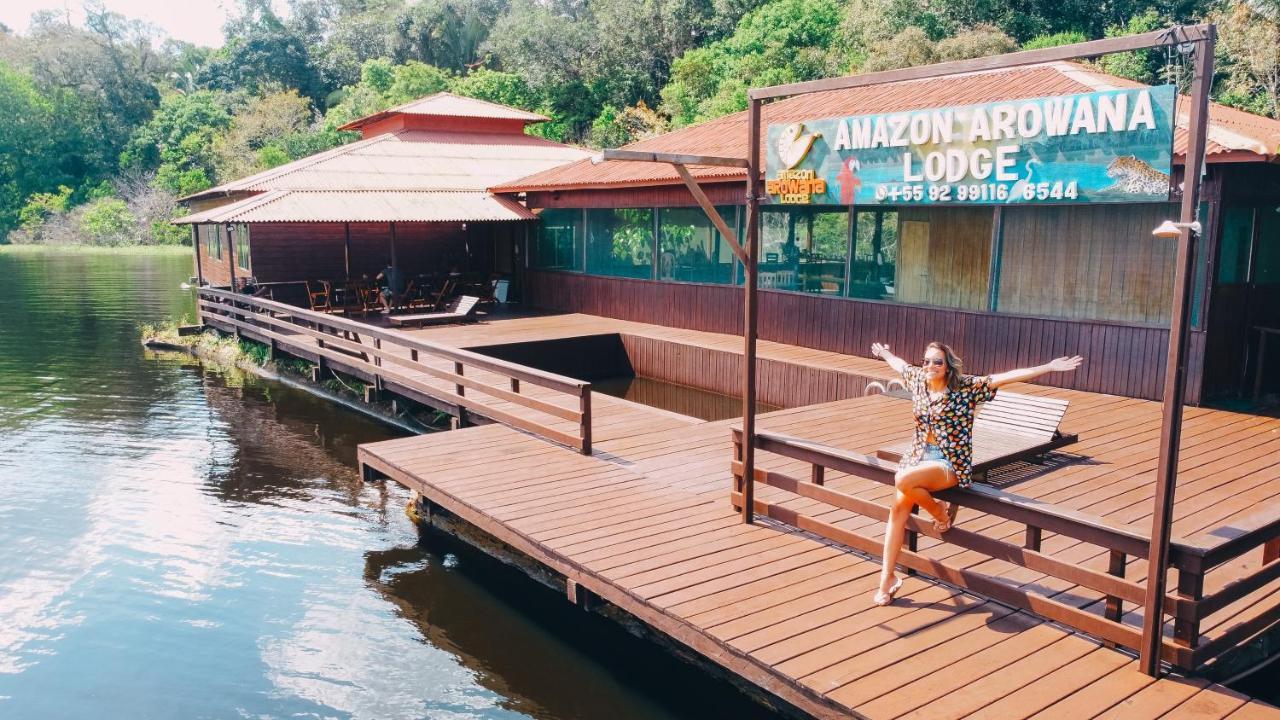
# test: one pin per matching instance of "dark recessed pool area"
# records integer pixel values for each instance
(615, 369)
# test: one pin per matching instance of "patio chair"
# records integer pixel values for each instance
(440, 297)
(463, 309)
(319, 300)
(1009, 428)
(404, 299)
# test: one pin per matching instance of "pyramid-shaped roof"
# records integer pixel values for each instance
(446, 104)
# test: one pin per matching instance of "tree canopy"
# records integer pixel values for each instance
(112, 109)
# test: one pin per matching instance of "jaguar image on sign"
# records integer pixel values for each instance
(1108, 146)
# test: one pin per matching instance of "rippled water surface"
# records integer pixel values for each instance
(179, 543)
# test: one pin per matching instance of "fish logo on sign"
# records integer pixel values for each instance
(793, 144)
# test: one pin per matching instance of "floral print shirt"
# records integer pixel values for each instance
(950, 417)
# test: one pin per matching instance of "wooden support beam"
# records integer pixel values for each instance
(710, 210)
(1175, 378)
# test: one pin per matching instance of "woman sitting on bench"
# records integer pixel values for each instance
(943, 401)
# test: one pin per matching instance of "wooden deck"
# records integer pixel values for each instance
(645, 524)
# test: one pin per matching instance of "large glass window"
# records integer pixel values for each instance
(213, 241)
(620, 242)
(875, 254)
(690, 249)
(557, 245)
(1233, 250)
(1267, 264)
(804, 249)
(242, 246)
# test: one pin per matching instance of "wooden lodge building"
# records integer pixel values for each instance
(412, 191)
(1007, 285)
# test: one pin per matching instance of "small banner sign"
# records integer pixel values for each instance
(1110, 146)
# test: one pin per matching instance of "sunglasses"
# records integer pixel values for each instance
(934, 361)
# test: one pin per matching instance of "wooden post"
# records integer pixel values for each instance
(195, 244)
(1032, 539)
(459, 389)
(750, 311)
(393, 245)
(1175, 365)
(346, 249)
(231, 257)
(584, 407)
(1186, 631)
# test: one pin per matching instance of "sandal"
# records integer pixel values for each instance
(882, 598)
(951, 510)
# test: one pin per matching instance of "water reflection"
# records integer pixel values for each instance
(181, 543)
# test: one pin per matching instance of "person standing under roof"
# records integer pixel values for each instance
(943, 400)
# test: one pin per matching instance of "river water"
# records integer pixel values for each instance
(180, 543)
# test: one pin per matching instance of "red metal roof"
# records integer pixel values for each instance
(443, 104)
(364, 206)
(411, 160)
(1233, 135)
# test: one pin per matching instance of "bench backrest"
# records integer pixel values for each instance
(1026, 415)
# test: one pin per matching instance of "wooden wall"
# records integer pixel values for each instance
(214, 271)
(1087, 261)
(944, 256)
(1121, 359)
(724, 193)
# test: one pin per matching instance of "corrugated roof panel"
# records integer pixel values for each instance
(376, 206)
(413, 160)
(1230, 130)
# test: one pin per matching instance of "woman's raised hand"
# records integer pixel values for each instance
(1065, 364)
(879, 349)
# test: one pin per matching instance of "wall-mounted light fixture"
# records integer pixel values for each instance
(1170, 229)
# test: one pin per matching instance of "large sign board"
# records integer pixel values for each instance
(1109, 146)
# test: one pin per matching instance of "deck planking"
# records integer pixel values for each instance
(645, 524)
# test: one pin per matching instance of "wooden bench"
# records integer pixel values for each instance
(1010, 427)
(463, 309)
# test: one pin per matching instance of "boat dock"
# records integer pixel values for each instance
(641, 516)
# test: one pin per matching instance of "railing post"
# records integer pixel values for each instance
(461, 390)
(1271, 551)
(1186, 631)
(515, 385)
(584, 427)
(1114, 609)
(818, 474)
(1033, 538)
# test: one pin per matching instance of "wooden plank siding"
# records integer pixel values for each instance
(1097, 262)
(1121, 359)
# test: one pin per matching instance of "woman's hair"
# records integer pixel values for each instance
(955, 366)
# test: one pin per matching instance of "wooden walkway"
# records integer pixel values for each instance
(645, 523)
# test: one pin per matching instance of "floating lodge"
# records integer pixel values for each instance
(1034, 604)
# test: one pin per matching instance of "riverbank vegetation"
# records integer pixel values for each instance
(108, 124)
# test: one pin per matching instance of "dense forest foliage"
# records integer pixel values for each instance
(107, 124)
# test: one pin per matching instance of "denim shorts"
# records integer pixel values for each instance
(933, 453)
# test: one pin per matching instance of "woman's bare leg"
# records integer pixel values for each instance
(911, 487)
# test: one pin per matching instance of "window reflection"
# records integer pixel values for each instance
(690, 249)
(804, 249)
(620, 242)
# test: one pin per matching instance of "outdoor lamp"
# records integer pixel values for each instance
(1171, 229)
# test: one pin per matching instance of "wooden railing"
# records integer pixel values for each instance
(1187, 608)
(395, 362)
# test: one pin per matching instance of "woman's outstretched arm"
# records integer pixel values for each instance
(1062, 364)
(881, 351)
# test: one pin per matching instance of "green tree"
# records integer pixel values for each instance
(108, 221)
(262, 52)
(781, 41)
(1249, 55)
(178, 142)
(264, 122)
(31, 146)
(505, 88)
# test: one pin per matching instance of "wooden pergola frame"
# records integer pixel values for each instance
(1198, 38)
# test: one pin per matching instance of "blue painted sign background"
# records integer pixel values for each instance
(1110, 146)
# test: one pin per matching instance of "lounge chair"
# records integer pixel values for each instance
(1011, 427)
(463, 309)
